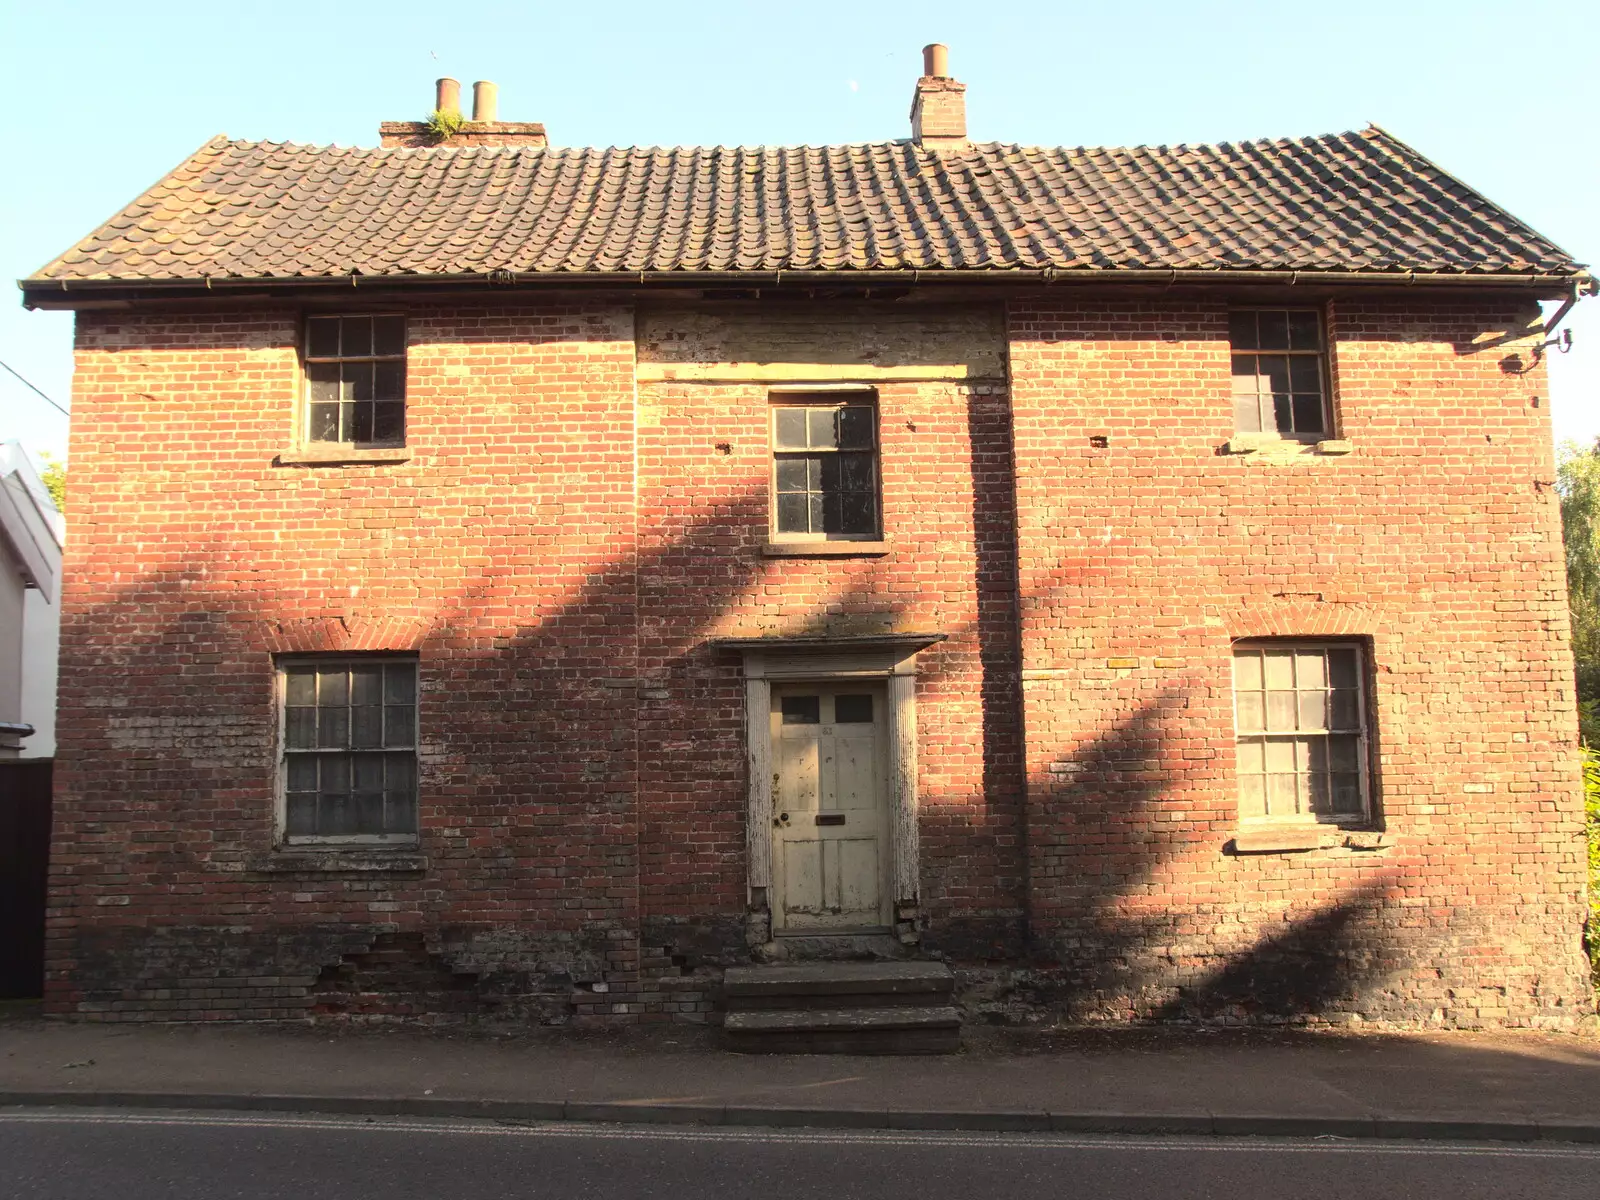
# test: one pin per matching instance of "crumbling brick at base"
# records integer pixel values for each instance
(582, 512)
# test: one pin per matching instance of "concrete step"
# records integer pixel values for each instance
(909, 1029)
(823, 985)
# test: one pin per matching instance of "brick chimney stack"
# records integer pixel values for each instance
(939, 110)
(485, 128)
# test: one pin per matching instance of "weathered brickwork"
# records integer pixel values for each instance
(584, 509)
(1434, 543)
(704, 469)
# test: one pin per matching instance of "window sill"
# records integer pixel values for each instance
(839, 549)
(338, 860)
(1293, 837)
(1271, 445)
(328, 456)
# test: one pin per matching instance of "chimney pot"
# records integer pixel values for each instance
(448, 97)
(485, 128)
(485, 101)
(939, 107)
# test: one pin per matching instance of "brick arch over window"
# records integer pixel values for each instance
(1302, 619)
(338, 635)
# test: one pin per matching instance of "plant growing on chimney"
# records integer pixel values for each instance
(443, 123)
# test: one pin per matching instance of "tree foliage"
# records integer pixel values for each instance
(1578, 483)
(54, 478)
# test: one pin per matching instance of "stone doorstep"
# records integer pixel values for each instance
(838, 979)
(830, 1020)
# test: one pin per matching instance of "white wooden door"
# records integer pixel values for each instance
(830, 837)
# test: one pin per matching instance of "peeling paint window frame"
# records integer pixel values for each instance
(1324, 375)
(1360, 729)
(815, 398)
(309, 361)
(282, 667)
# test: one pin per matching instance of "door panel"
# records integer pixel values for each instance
(830, 796)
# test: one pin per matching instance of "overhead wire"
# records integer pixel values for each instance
(63, 411)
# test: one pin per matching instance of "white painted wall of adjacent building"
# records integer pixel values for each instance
(31, 531)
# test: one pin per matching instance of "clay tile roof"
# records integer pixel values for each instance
(1343, 202)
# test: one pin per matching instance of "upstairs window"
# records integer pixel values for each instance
(825, 467)
(1279, 372)
(349, 765)
(356, 380)
(1301, 728)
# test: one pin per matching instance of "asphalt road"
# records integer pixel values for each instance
(140, 1156)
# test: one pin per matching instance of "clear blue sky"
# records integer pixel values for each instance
(112, 95)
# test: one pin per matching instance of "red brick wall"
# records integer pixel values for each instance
(703, 520)
(502, 552)
(582, 789)
(1435, 542)
(565, 537)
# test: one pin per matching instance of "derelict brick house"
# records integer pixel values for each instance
(525, 581)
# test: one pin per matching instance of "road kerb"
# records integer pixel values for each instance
(748, 1116)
